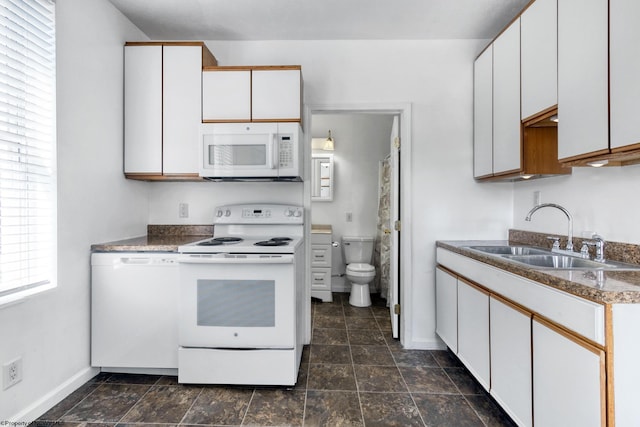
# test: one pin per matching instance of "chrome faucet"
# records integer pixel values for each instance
(569, 246)
(598, 242)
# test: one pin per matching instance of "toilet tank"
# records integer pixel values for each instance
(357, 249)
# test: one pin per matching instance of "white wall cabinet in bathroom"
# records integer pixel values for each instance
(322, 182)
(321, 244)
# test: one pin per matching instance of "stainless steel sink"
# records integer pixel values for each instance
(510, 250)
(545, 259)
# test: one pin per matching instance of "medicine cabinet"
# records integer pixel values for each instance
(322, 184)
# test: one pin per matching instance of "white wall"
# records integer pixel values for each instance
(361, 142)
(604, 200)
(50, 331)
(436, 78)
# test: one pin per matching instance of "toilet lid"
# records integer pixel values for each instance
(360, 267)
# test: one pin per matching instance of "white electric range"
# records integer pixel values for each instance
(242, 298)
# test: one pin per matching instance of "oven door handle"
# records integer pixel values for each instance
(234, 259)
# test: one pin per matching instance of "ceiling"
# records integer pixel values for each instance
(320, 19)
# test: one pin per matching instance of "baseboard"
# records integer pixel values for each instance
(432, 344)
(55, 396)
(172, 372)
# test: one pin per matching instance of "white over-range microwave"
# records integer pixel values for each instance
(251, 151)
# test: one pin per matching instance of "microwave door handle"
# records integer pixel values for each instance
(274, 151)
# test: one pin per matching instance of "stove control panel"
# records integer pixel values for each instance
(259, 214)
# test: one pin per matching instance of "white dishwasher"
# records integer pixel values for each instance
(134, 311)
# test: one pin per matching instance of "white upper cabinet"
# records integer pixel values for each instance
(143, 109)
(182, 97)
(583, 78)
(539, 57)
(252, 94)
(276, 94)
(506, 100)
(624, 60)
(483, 114)
(162, 108)
(227, 95)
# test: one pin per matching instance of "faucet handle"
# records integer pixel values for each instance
(556, 242)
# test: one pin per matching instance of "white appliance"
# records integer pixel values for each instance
(134, 311)
(250, 151)
(242, 298)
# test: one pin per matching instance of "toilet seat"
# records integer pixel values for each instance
(360, 268)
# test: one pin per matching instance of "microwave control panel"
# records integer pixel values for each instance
(286, 151)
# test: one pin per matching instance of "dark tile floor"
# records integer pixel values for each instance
(353, 374)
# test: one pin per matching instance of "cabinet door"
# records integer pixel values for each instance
(143, 109)
(568, 379)
(182, 100)
(583, 77)
(510, 329)
(624, 66)
(473, 331)
(276, 95)
(539, 57)
(483, 114)
(226, 95)
(506, 100)
(447, 308)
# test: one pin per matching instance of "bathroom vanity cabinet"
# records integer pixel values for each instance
(321, 244)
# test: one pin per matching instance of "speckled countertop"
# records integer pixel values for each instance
(605, 287)
(159, 238)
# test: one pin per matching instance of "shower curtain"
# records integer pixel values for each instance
(382, 253)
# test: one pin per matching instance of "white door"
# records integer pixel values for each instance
(394, 270)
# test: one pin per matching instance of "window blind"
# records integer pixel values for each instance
(27, 147)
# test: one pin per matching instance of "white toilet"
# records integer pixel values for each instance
(357, 255)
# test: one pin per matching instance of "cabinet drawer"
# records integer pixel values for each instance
(321, 238)
(321, 278)
(320, 256)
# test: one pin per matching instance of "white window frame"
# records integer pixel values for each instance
(28, 217)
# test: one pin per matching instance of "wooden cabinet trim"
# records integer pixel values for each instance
(609, 349)
(166, 43)
(479, 288)
(166, 177)
(226, 68)
(580, 340)
(512, 305)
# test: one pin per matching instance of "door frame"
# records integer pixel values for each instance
(405, 262)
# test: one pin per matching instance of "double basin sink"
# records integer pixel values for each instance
(545, 259)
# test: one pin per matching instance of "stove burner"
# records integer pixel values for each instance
(228, 239)
(211, 242)
(281, 239)
(271, 243)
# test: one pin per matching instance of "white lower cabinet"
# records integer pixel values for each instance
(447, 312)
(473, 331)
(568, 379)
(321, 264)
(510, 331)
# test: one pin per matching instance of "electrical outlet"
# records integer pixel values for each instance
(183, 210)
(11, 373)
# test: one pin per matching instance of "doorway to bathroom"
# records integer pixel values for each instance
(365, 193)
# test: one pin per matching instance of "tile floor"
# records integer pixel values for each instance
(353, 374)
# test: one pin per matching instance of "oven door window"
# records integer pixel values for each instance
(239, 303)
